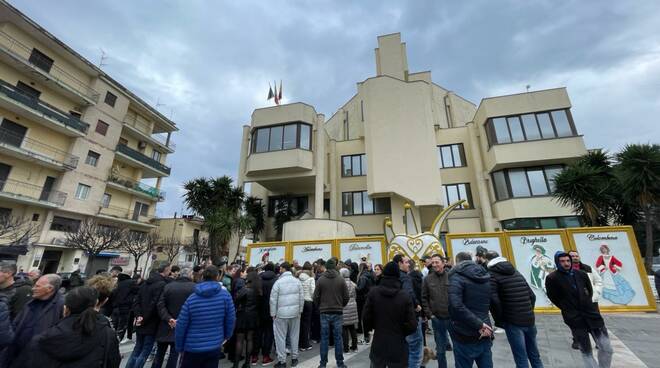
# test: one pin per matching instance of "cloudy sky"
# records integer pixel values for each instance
(208, 63)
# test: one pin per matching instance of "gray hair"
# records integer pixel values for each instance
(54, 280)
(463, 256)
(8, 267)
(345, 273)
(185, 272)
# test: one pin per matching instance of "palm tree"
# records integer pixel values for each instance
(638, 170)
(255, 209)
(283, 213)
(218, 201)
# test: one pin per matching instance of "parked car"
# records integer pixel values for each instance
(66, 282)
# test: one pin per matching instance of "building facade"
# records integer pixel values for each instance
(74, 144)
(404, 139)
(181, 241)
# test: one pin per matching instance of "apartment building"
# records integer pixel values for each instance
(404, 139)
(186, 236)
(74, 144)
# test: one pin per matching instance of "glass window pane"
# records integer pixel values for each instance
(305, 136)
(501, 191)
(537, 182)
(561, 123)
(569, 221)
(518, 179)
(346, 165)
(531, 129)
(516, 129)
(363, 164)
(367, 204)
(501, 130)
(548, 223)
(290, 132)
(446, 156)
(262, 139)
(452, 194)
(463, 194)
(550, 172)
(456, 151)
(276, 138)
(382, 205)
(356, 165)
(546, 125)
(357, 203)
(347, 203)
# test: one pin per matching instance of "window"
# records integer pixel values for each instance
(451, 155)
(297, 205)
(529, 127)
(92, 158)
(64, 224)
(156, 155)
(101, 127)
(40, 60)
(110, 99)
(458, 192)
(105, 203)
(282, 137)
(82, 192)
(5, 212)
(525, 182)
(28, 90)
(542, 223)
(141, 209)
(359, 203)
(123, 141)
(354, 165)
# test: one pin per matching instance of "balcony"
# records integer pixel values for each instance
(135, 187)
(124, 215)
(545, 206)
(538, 152)
(152, 168)
(34, 151)
(15, 53)
(26, 193)
(142, 129)
(14, 100)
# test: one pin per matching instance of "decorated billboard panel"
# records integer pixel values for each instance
(613, 253)
(457, 243)
(533, 255)
(311, 251)
(355, 249)
(266, 252)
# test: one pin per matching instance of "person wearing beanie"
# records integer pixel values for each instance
(570, 290)
(331, 295)
(350, 318)
(390, 313)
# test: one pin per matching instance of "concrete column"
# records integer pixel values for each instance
(159, 182)
(333, 172)
(319, 148)
(169, 136)
(245, 147)
(482, 187)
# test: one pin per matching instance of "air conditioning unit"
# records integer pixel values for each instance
(142, 144)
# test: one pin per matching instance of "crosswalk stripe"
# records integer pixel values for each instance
(623, 357)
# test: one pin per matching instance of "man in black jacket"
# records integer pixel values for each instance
(570, 290)
(435, 303)
(265, 338)
(512, 306)
(469, 301)
(17, 292)
(415, 339)
(389, 311)
(331, 295)
(169, 304)
(122, 299)
(147, 318)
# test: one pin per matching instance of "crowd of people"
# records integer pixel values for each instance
(268, 314)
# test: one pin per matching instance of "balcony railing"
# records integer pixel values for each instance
(137, 186)
(144, 127)
(29, 191)
(48, 110)
(123, 213)
(37, 149)
(142, 158)
(22, 52)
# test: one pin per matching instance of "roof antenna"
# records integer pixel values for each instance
(104, 57)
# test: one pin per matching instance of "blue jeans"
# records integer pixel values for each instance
(336, 321)
(523, 345)
(415, 346)
(440, 329)
(467, 354)
(143, 346)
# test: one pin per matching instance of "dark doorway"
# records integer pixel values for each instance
(48, 187)
(12, 133)
(4, 174)
(50, 261)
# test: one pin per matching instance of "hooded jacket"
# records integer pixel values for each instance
(308, 285)
(366, 280)
(268, 279)
(169, 305)
(389, 312)
(331, 293)
(512, 300)
(123, 296)
(570, 290)
(350, 311)
(205, 320)
(286, 297)
(145, 303)
(435, 294)
(469, 300)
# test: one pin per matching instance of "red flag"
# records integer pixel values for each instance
(277, 98)
(280, 95)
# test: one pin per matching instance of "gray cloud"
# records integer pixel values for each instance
(210, 62)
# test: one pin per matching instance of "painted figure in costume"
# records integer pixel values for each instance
(542, 265)
(615, 288)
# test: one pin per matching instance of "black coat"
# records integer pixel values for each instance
(268, 279)
(169, 305)
(145, 305)
(365, 282)
(469, 300)
(571, 292)
(656, 279)
(512, 299)
(123, 296)
(247, 309)
(416, 279)
(389, 311)
(64, 347)
(18, 295)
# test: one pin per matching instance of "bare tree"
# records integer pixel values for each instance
(17, 230)
(171, 247)
(200, 247)
(137, 244)
(94, 238)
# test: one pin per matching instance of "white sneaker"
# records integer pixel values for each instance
(498, 330)
(125, 341)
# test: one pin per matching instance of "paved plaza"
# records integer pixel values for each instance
(635, 339)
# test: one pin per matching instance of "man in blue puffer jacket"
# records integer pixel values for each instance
(205, 322)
